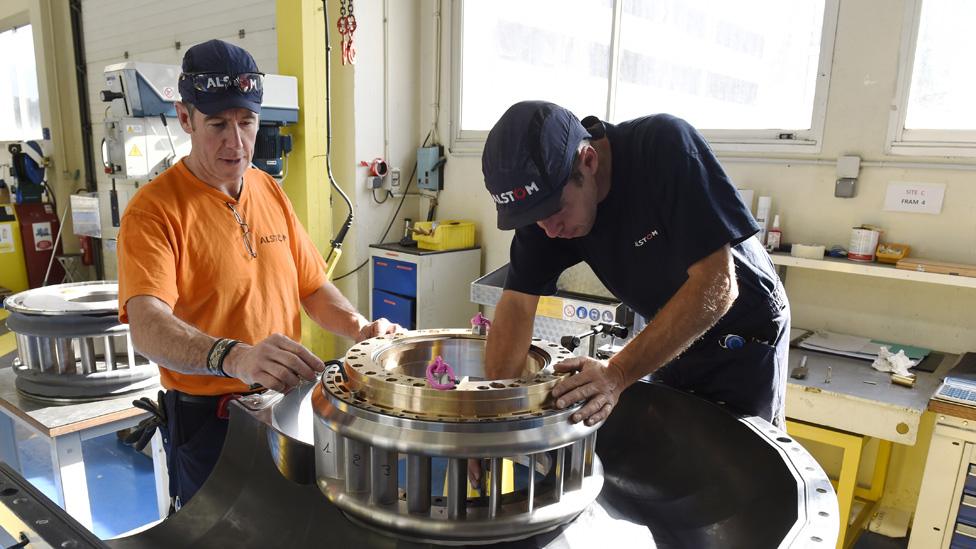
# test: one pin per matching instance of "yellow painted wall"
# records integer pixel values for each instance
(301, 52)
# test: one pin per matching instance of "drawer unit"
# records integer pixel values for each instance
(395, 308)
(395, 276)
(967, 511)
(964, 537)
(421, 289)
(945, 516)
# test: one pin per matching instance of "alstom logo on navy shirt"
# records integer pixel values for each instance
(645, 239)
(516, 194)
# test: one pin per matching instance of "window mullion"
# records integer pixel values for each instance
(906, 61)
(618, 8)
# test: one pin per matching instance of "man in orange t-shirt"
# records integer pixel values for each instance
(214, 269)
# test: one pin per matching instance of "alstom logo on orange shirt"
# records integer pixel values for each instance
(516, 194)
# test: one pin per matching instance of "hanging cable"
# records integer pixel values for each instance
(385, 197)
(336, 252)
(389, 226)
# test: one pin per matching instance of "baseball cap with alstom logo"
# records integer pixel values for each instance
(527, 160)
(218, 76)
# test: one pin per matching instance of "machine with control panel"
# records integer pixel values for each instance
(143, 137)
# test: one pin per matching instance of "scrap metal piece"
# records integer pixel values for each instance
(800, 372)
(903, 380)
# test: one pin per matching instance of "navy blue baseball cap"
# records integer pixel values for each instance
(218, 76)
(527, 160)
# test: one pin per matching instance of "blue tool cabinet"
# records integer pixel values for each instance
(421, 289)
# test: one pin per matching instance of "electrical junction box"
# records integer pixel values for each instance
(430, 168)
(395, 187)
(374, 182)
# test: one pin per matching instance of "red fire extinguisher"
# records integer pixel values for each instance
(86, 250)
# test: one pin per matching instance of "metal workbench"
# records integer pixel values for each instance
(856, 405)
(65, 426)
(860, 399)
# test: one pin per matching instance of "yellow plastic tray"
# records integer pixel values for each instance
(449, 234)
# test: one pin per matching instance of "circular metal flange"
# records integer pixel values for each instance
(75, 298)
(388, 372)
(378, 410)
(62, 389)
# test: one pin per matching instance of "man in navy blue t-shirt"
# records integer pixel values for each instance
(648, 207)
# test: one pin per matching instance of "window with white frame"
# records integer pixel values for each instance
(934, 112)
(750, 74)
(20, 112)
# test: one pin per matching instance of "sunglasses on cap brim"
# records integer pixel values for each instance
(216, 82)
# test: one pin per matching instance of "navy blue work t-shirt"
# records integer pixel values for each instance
(670, 205)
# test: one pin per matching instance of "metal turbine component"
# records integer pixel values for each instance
(71, 346)
(377, 409)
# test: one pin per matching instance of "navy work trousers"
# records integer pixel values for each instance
(196, 437)
(750, 379)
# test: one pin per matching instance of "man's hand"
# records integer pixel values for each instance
(278, 363)
(594, 382)
(377, 328)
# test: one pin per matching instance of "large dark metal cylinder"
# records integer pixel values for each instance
(677, 472)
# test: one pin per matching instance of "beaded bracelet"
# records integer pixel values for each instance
(218, 352)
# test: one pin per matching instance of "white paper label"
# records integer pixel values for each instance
(7, 238)
(43, 238)
(914, 197)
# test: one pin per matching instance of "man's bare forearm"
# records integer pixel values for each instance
(510, 335)
(333, 312)
(700, 302)
(165, 339)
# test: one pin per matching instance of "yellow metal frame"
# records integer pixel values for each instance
(508, 480)
(852, 446)
(301, 53)
(8, 343)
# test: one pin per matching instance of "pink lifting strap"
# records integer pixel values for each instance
(436, 371)
(480, 320)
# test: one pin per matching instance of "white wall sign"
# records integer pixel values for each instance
(43, 237)
(914, 197)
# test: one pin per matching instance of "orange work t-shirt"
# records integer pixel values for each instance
(180, 242)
